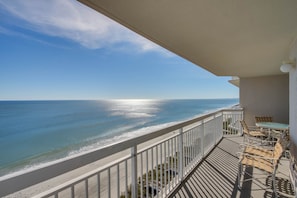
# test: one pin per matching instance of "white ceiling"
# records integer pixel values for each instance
(242, 38)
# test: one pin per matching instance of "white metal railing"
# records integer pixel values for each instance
(152, 169)
(231, 122)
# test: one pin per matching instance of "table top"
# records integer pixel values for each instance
(273, 125)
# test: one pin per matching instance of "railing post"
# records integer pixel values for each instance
(214, 131)
(181, 155)
(241, 118)
(134, 186)
(202, 138)
(220, 126)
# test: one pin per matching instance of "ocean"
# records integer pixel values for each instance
(37, 132)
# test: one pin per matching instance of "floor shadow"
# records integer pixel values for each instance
(216, 176)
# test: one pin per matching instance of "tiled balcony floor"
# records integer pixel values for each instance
(216, 176)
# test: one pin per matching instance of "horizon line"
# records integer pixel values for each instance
(2, 100)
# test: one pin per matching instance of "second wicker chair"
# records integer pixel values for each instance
(251, 133)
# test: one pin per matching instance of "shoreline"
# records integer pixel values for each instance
(15, 161)
(59, 180)
(87, 148)
(41, 187)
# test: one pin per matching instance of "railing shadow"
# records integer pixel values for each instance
(216, 176)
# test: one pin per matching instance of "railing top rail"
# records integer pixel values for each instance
(46, 172)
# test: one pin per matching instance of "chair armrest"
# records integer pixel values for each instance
(259, 143)
(277, 132)
(253, 128)
(255, 156)
(262, 141)
(260, 147)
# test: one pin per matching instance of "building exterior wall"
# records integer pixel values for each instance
(267, 96)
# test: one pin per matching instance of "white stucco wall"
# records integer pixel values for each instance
(265, 96)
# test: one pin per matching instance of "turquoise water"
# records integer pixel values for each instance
(36, 132)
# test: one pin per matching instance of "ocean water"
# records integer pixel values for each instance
(37, 132)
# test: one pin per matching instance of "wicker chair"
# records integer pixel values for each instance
(252, 133)
(263, 118)
(261, 158)
(267, 148)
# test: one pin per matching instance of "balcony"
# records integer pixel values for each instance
(195, 158)
(216, 176)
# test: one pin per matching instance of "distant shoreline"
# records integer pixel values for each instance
(149, 123)
(47, 100)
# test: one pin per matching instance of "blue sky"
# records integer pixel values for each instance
(63, 50)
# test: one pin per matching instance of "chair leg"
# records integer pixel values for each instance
(274, 184)
(239, 175)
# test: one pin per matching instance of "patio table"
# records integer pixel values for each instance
(273, 125)
(275, 129)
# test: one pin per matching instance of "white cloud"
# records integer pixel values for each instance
(72, 20)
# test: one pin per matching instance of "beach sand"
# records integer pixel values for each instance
(92, 182)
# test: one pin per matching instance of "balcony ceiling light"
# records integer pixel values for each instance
(287, 66)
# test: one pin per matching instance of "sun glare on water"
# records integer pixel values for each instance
(134, 108)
